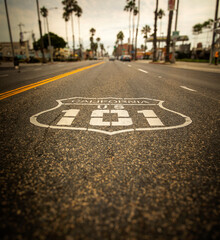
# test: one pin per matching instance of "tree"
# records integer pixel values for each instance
(129, 8)
(155, 32)
(120, 37)
(137, 27)
(70, 6)
(98, 40)
(145, 30)
(167, 58)
(44, 13)
(135, 13)
(66, 18)
(102, 48)
(79, 14)
(92, 44)
(161, 14)
(57, 41)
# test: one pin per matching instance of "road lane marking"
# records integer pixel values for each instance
(129, 65)
(142, 70)
(37, 69)
(189, 89)
(4, 75)
(37, 84)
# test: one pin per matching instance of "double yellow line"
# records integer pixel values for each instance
(37, 84)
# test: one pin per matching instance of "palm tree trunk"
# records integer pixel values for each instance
(167, 59)
(66, 33)
(73, 35)
(138, 20)
(133, 27)
(129, 40)
(155, 33)
(50, 47)
(80, 52)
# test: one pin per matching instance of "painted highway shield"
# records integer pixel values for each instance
(110, 115)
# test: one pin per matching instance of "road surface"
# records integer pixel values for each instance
(109, 150)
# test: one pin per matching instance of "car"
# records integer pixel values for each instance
(111, 58)
(126, 58)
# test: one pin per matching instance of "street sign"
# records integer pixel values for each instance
(110, 115)
(171, 5)
(175, 35)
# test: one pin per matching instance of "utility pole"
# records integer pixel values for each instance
(41, 39)
(9, 29)
(214, 33)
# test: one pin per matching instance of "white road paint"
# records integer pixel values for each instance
(69, 117)
(142, 70)
(96, 116)
(123, 118)
(37, 69)
(129, 65)
(4, 75)
(159, 77)
(189, 89)
(151, 118)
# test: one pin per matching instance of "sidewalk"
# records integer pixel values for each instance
(205, 67)
(10, 65)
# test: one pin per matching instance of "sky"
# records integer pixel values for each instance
(107, 17)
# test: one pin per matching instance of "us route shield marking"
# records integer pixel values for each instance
(110, 115)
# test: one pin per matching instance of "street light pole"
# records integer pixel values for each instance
(9, 29)
(41, 39)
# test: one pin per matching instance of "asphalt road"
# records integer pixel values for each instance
(116, 151)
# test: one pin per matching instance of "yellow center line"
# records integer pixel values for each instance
(42, 82)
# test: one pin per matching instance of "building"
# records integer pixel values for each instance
(20, 50)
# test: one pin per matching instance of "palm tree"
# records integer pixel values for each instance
(145, 30)
(160, 14)
(135, 13)
(155, 32)
(44, 13)
(92, 31)
(207, 25)
(120, 37)
(137, 26)
(102, 48)
(167, 58)
(98, 40)
(79, 14)
(197, 29)
(66, 18)
(129, 8)
(70, 6)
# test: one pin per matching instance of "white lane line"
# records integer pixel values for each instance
(4, 75)
(189, 89)
(159, 76)
(129, 65)
(37, 69)
(142, 70)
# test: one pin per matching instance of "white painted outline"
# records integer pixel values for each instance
(189, 89)
(142, 70)
(188, 121)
